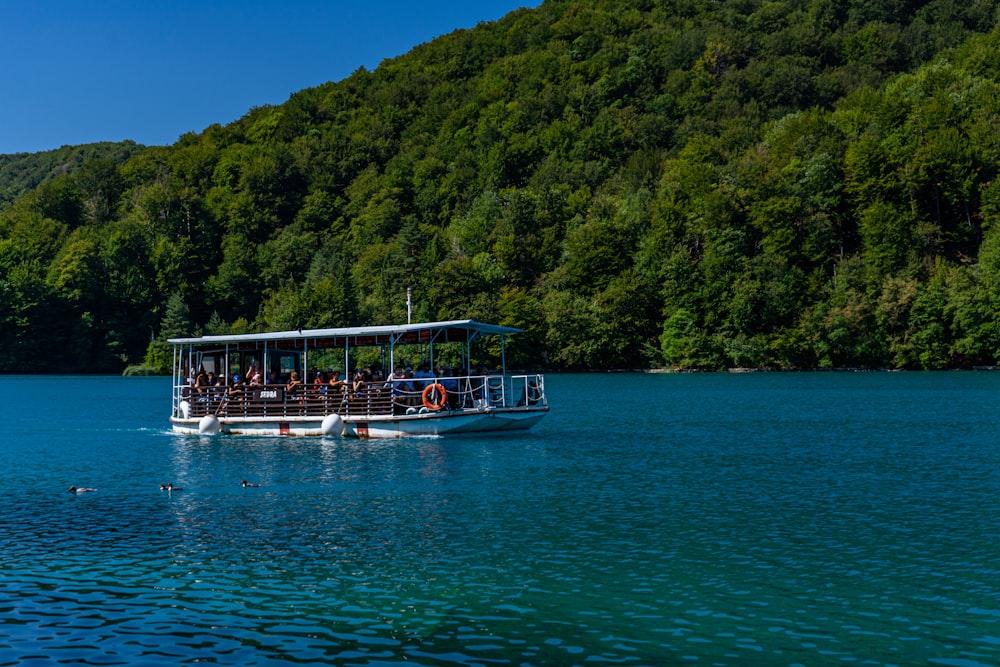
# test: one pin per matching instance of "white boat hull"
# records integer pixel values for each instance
(398, 426)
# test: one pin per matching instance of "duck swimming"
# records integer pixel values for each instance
(249, 484)
(82, 489)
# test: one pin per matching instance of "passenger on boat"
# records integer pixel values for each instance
(412, 395)
(294, 386)
(396, 374)
(376, 383)
(218, 388)
(422, 377)
(335, 384)
(203, 387)
(319, 383)
(233, 394)
(201, 383)
(253, 371)
(399, 386)
(448, 380)
(534, 392)
(358, 382)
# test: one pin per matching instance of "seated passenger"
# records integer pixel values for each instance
(375, 383)
(422, 377)
(218, 387)
(201, 381)
(233, 393)
(392, 377)
(397, 383)
(410, 393)
(294, 386)
(534, 392)
(358, 383)
(336, 385)
(448, 380)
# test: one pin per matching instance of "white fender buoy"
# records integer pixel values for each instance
(332, 425)
(209, 424)
(185, 409)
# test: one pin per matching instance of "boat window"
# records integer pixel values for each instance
(212, 363)
(285, 363)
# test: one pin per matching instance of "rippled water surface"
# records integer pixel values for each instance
(764, 519)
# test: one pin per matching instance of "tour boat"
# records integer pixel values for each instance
(393, 381)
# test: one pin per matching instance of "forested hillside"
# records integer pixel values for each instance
(685, 183)
(20, 172)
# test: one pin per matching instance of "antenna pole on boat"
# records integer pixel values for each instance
(409, 304)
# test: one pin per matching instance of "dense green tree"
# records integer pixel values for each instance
(176, 323)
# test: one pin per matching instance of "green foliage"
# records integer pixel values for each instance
(20, 173)
(139, 370)
(176, 323)
(682, 341)
(702, 185)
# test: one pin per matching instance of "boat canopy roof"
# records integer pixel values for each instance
(453, 331)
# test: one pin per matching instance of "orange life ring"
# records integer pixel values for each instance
(428, 403)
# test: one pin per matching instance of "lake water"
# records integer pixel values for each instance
(702, 519)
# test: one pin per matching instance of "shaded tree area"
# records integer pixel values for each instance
(684, 183)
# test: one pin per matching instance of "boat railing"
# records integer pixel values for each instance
(373, 399)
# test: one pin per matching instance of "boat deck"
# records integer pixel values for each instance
(374, 400)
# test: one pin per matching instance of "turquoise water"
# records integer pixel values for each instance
(706, 519)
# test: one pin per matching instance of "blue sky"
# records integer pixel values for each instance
(87, 71)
